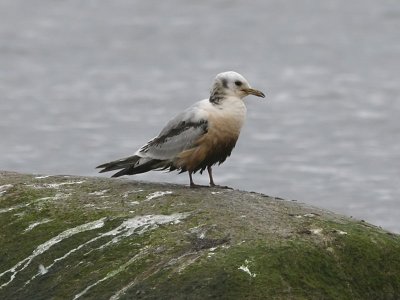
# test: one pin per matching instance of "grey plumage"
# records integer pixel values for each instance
(179, 134)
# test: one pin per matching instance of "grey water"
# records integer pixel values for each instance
(86, 82)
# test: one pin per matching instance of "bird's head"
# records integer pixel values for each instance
(232, 84)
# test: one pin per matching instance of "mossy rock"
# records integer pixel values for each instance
(69, 237)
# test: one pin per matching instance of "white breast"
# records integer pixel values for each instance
(228, 116)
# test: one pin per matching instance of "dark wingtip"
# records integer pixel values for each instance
(102, 166)
(120, 173)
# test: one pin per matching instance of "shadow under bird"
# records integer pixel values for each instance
(197, 138)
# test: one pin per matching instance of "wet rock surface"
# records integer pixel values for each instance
(71, 237)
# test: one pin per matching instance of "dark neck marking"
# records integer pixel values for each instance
(216, 98)
(225, 83)
(217, 94)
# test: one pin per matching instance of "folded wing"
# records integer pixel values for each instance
(180, 134)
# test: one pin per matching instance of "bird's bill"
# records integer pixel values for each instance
(254, 92)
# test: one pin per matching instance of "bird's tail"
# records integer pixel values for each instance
(132, 165)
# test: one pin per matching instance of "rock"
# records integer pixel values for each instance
(70, 237)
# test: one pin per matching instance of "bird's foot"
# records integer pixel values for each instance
(213, 185)
(195, 186)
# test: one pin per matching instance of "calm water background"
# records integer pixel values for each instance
(85, 82)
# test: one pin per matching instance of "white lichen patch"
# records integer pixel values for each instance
(136, 225)
(330, 250)
(111, 274)
(200, 231)
(23, 264)
(245, 268)
(5, 188)
(61, 196)
(11, 208)
(56, 197)
(211, 252)
(55, 185)
(310, 215)
(126, 194)
(33, 225)
(42, 177)
(182, 262)
(99, 193)
(157, 195)
(42, 270)
(340, 232)
(139, 225)
(317, 231)
(20, 214)
(58, 185)
(188, 262)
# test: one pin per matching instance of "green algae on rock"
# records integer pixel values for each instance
(70, 237)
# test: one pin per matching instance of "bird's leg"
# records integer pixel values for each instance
(209, 170)
(192, 184)
(191, 180)
(212, 184)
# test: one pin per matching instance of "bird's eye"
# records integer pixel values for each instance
(238, 83)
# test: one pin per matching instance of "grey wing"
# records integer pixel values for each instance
(180, 134)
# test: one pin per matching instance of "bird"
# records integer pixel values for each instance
(197, 138)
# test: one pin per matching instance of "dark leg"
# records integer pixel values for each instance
(210, 175)
(192, 184)
(212, 184)
(191, 180)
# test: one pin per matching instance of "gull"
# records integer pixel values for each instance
(199, 137)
